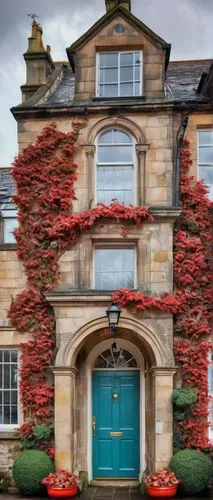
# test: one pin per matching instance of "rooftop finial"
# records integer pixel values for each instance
(111, 4)
(33, 16)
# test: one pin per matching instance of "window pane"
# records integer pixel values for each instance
(108, 90)
(115, 183)
(13, 376)
(106, 137)
(6, 397)
(6, 356)
(14, 356)
(121, 137)
(137, 73)
(126, 74)
(137, 89)
(109, 75)
(137, 58)
(14, 415)
(206, 154)
(9, 225)
(6, 415)
(206, 137)
(109, 59)
(126, 59)
(14, 397)
(114, 268)
(115, 136)
(126, 89)
(114, 154)
(7, 376)
(206, 173)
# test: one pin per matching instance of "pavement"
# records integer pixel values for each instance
(113, 493)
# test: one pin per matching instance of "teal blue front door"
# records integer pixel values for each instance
(115, 414)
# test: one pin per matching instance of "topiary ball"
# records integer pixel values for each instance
(29, 469)
(193, 469)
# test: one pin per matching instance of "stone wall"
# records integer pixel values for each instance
(12, 281)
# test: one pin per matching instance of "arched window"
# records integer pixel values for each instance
(115, 167)
(114, 358)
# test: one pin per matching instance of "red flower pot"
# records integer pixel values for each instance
(162, 491)
(62, 492)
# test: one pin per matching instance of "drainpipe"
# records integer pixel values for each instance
(179, 139)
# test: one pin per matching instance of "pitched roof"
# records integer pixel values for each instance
(183, 78)
(129, 17)
(182, 81)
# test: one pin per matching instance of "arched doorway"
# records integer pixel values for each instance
(116, 403)
(77, 360)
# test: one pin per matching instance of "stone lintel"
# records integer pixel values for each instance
(63, 298)
(158, 371)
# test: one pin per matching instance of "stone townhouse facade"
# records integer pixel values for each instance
(118, 75)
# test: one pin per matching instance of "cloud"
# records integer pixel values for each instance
(187, 24)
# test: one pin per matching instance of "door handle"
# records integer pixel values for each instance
(94, 426)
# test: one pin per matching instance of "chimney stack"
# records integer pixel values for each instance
(39, 63)
(111, 4)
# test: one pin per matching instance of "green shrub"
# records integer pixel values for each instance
(42, 432)
(29, 469)
(179, 415)
(193, 469)
(184, 397)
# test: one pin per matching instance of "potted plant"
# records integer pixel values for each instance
(162, 483)
(61, 484)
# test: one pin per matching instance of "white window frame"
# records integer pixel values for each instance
(114, 246)
(210, 393)
(198, 154)
(133, 163)
(119, 53)
(7, 213)
(10, 427)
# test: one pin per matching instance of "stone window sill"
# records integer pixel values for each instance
(8, 246)
(4, 434)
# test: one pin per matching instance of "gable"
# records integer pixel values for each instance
(126, 18)
(119, 35)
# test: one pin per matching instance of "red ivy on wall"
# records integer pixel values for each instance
(193, 277)
(45, 174)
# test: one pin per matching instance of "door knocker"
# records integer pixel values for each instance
(115, 395)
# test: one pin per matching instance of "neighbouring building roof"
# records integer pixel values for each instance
(7, 186)
(183, 78)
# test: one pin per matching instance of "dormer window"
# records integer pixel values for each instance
(119, 74)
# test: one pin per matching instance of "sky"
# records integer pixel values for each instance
(186, 24)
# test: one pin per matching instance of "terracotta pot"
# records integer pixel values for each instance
(162, 491)
(62, 492)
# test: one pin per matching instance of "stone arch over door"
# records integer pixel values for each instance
(159, 381)
(160, 353)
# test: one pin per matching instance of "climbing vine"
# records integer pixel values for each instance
(193, 277)
(45, 174)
